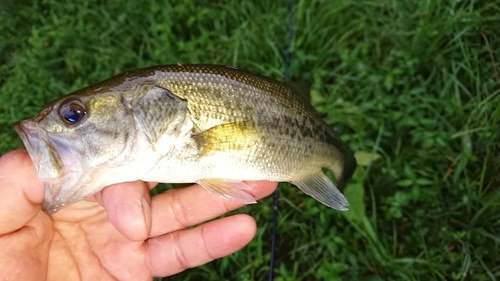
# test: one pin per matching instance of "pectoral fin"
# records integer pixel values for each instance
(322, 189)
(236, 190)
(228, 137)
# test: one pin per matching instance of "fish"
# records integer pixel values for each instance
(214, 125)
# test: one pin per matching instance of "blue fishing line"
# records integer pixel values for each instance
(289, 40)
(277, 192)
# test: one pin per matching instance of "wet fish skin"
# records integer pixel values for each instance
(209, 124)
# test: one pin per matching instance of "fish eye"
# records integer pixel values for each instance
(72, 112)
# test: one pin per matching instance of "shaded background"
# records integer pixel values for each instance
(412, 87)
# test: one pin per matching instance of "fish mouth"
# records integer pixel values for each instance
(30, 136)
(47, 153)
(44, 155)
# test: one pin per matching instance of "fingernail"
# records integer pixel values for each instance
(146, 208)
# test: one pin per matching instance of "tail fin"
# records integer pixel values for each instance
(349, 167)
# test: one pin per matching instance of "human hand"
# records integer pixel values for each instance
(118, 234)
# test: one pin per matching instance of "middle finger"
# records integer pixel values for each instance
(183, 207)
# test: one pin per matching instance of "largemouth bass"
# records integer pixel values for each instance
(214, 125)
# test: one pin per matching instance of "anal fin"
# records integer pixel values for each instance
(319, 186)
(236, 190)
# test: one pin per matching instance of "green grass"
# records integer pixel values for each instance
(412, 86)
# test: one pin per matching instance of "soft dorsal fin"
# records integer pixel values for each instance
(301, 88)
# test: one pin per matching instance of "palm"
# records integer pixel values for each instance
(92, 249)
(77, 243)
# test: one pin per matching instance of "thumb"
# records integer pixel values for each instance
(21, 192)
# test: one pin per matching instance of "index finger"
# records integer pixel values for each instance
(187, 206)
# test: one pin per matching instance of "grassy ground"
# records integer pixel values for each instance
(412, 86)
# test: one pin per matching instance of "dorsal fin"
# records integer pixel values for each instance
(301, 88)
